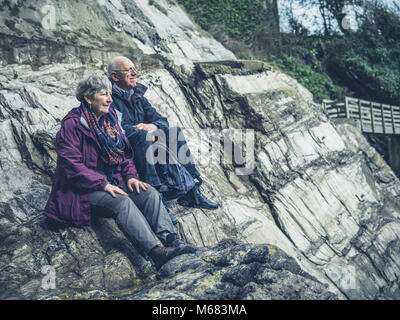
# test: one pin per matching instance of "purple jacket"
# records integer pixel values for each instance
(75, 177)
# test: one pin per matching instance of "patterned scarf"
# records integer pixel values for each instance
(108, 138)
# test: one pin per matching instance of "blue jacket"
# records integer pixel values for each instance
(136, 109)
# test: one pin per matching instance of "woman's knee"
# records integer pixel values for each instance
(147, 196)
(125, 206)
(152, 193)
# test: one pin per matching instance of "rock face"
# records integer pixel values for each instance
(313, 208)
(234, 271)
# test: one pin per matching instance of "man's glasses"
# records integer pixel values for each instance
(128, 70)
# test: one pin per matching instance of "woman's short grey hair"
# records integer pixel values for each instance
(91, 85)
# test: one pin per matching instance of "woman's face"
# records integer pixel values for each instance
(101, 102)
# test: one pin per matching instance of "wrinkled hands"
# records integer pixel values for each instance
(131, 183)
(149, 127)
(114, 190)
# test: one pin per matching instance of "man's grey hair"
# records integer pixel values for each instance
(91, 85)
(111, 67)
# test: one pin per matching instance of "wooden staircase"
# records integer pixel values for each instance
(374, 117)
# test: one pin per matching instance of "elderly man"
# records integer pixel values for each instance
(138, 119)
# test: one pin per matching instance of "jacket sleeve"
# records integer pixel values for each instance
(68, 149)
(152, 116)
(128, 169)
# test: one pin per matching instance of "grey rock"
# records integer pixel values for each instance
(235, 271)
(316, 217)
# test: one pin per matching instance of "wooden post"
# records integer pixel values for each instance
(371, 108)
(383, 119)
(393, 127)
(359, 114)
(346, 107)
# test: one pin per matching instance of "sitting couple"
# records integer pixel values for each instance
(95, 170)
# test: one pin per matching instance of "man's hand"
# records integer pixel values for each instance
(149, 127)
(114, 190)
(132, 182)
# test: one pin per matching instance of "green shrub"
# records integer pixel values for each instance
(238, 17)
(363, 64)
(321, 86)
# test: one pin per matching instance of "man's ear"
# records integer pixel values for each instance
(114, 77)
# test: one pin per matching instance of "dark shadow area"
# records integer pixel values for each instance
(388, 146)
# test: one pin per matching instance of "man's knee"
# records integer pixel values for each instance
(176, 132)
(177, 129)
(141, 137)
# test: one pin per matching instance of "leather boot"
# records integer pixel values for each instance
(173, 241)
(160, 255)
(195, 199)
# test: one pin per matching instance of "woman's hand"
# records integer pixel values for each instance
(132, 182)
(114, 190)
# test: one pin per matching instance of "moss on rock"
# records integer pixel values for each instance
(234, 67)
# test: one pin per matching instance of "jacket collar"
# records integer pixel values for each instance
(139, 91)
(77, 113)
(121, 92)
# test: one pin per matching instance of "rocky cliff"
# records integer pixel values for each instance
(312, 212)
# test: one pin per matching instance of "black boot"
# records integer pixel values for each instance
(194, 198)
(173, 241)
(160, 255)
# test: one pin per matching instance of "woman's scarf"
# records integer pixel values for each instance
(108, 138)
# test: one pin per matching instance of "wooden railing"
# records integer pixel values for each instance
(374, 117)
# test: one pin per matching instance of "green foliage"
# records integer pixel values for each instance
(364, 64)
(239, 18)
(318, 84)
(246, 20)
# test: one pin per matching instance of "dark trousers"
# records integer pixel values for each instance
(142, 216)
(147, 171)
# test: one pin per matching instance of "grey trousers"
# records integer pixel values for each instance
(142, 216)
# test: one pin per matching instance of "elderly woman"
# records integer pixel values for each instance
(95, 172)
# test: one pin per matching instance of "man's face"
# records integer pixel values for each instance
(125, 75)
